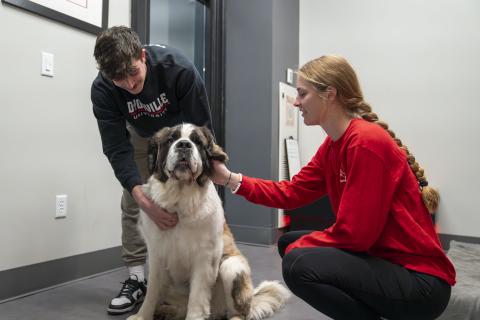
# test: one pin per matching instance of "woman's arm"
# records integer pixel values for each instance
(305, 187)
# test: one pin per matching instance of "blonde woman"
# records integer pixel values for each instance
(382, 257)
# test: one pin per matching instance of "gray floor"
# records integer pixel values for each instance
(88, 299)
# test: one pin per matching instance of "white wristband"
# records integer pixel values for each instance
(238, 185)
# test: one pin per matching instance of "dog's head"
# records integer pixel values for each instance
(183, 153)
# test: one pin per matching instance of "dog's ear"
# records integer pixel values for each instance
(157, 155)
(214, 151)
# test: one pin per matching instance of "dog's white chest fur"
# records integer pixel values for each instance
(198, 234)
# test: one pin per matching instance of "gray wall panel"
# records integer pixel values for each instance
(256, 60)
(248, 28)
(285, 50)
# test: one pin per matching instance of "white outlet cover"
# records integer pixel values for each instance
(61, 206)
(47, 64)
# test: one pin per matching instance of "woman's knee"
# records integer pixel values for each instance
(302, 268)
(282, 244)
(290, 275)
(320, 265)
(295, 265)
(287, 238)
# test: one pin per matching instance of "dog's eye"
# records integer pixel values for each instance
(196, 140)
(170, 140)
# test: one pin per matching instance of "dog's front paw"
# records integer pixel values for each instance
(167, 312)
(197, 317)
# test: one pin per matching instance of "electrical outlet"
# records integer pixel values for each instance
(61, 206)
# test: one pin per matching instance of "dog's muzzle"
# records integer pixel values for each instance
(183, 161)
(183, 149)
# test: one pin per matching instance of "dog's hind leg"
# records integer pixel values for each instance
(235, 275)
(156, 289)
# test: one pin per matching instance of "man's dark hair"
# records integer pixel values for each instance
(115, 49)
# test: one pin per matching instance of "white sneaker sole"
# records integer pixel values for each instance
(125, 310)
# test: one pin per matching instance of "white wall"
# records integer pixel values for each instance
(418, 62)
(50, 143)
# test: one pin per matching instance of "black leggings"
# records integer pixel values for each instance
(347, 285)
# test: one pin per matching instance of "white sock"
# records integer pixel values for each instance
(138, 271)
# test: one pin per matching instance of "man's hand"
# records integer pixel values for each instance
(163, 219)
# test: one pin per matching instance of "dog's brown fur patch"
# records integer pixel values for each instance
(229, 247)
(242, 286)
(242, 294)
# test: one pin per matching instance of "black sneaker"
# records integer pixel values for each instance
(132, 292)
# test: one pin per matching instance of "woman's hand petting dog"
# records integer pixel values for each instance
(220, 172)
(162, 218)
(224, 177)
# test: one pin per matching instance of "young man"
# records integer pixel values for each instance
(138, 91)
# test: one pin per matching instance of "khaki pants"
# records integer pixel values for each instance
(134, 250)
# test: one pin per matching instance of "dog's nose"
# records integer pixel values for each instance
(183, 144)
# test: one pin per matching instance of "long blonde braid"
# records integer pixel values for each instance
(335, 71)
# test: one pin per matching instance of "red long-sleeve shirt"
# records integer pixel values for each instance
(374, 195)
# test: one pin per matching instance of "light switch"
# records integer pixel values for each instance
(289, 76)
(47, 64)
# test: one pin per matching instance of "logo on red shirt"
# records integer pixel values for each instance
(343, 176)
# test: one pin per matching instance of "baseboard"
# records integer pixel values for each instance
(20, 281)
(446, 238)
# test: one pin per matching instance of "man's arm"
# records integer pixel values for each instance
(115, 137)
(119, 151)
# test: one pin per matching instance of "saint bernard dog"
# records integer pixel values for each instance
(195, 269)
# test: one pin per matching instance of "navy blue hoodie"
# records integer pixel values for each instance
(173, 93)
